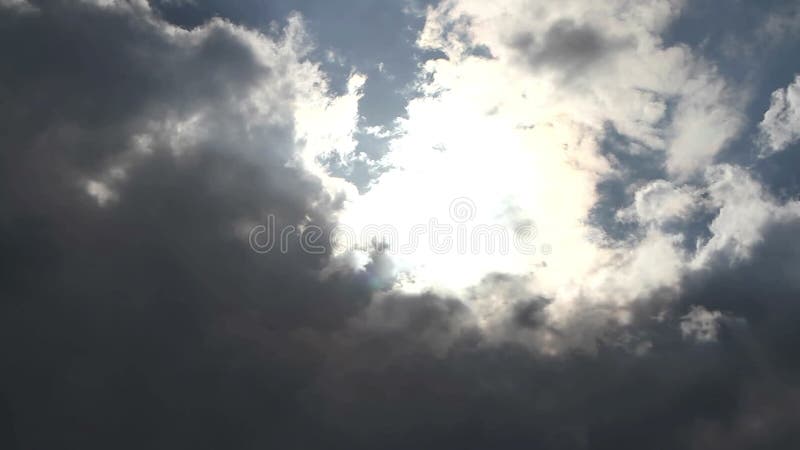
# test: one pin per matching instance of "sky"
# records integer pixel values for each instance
(432, 224)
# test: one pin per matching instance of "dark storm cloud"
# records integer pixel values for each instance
(568, 47)
(148, 323)
(120, 320)
(764, 292)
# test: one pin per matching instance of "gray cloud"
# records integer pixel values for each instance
(568, 47)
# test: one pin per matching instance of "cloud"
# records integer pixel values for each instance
(701, 324)
(568, 46)
(659, 203)
(780, 127)
(137, 155)
(123, 312)
(780, 25)
(746, 211)
(519, 139)
(18, 6)
(665, 97)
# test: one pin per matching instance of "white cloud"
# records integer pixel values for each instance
(745, 212)
(660, 202)
(100, 192)
(701, 324)
(664, 97)
(780, 127)
(705, 119)
(519, 134)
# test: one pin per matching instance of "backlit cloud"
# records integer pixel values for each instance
(418, 224)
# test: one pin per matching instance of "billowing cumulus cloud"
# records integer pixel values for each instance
(143, 143)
